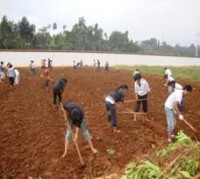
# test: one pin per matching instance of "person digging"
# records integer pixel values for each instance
(58, 89)
(116, 96)
(171, 108)
(75, 115)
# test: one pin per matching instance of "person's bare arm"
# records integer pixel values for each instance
(175, 107)
(41, 75)
(76, 134)
(64, 112)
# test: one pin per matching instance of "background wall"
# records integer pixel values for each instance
(67, 58)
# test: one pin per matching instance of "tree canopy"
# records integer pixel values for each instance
(23, 35)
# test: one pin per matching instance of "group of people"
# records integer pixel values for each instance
(97, 65)
(174, 103)
(78, 65)
(172, 106)
(75, 114)
(116, 96)
(73, 111)
(46, 68)
(47, 63)
(12, 74)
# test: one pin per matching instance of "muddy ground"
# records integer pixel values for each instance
(32, 131)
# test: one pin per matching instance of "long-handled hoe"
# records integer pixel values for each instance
(134, 113)
(77, 148)
(133, 100)
(186, 122)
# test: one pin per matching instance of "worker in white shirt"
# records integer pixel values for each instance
(142, 90)
(168, 76)
(171, 108)
(168, 72)
(17, 74)
(32, 68)
(169, 80)
(174, 86)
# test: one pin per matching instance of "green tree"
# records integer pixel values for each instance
(42, 39)
(151, 44)
(118, 41)
(98, 37)
(8, 34)
(79, 34)
(26, 31)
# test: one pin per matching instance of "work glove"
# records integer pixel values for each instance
(180, 116)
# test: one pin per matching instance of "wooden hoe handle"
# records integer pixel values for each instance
(186, 122)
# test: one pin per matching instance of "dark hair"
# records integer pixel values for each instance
(170, 83)
(165, 76)
(137, 76)
(124, 86)
(64, 79)
(76, 117)
(187, 88)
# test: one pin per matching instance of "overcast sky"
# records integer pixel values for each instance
(174, 21)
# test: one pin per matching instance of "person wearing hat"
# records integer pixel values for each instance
(58, 89)
(171, 108)
(115, 96)
(142, 90)
(75, 115)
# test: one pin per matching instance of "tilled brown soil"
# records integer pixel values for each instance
(32, 131)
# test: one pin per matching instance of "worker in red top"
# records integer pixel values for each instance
(46, 76)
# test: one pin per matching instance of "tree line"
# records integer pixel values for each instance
(82, 37)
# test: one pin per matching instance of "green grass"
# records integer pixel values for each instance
(181, 160)
(190, 73)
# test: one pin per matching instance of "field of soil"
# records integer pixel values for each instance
(33, 132)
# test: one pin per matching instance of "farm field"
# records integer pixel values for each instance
(32, 131)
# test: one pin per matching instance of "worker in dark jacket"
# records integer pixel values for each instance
(115, 96)
(58, 89)
(75, 115)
